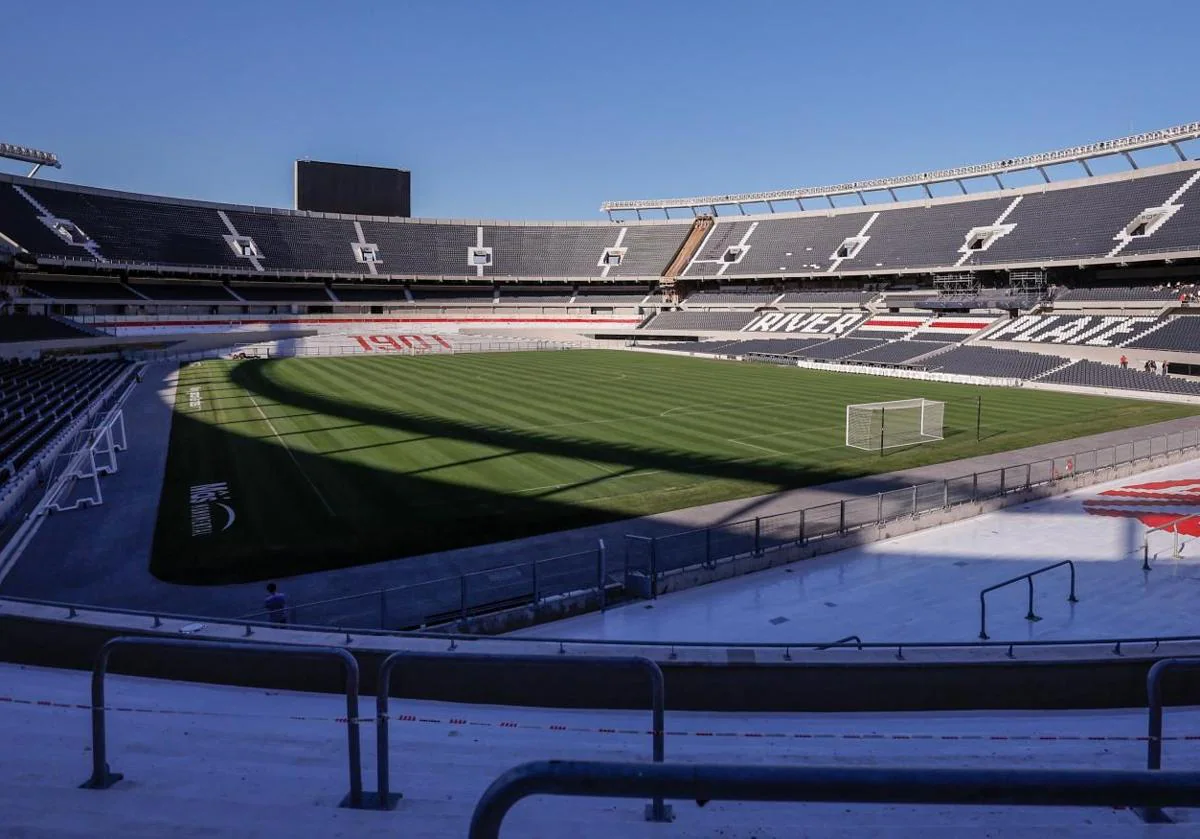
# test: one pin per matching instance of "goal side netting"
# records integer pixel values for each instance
(874, 426)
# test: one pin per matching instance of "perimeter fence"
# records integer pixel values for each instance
(638, 567)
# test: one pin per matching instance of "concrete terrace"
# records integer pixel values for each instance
(204, 760)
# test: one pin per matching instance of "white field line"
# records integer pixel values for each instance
(291, 454)
(753, 446)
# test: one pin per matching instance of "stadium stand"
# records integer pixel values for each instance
(141, 229)
(773, 346)
(1094, 374)
(648, 249)
(611, 297)
(1070, 220)
(64, 289)
(724, 321)
(38, 399)
(1079, 221)
(710, 258)
(730, 297)
(900, 352)
(180, 291)
(547, 296)
(924, 237)
(568, 251)
(704, 347)
(839, 348)
(15, 328)
(1080, 330)
(819, 298)
(281, 292)
(288, 241)
(795, 245)
(1181, 334)
(1176, 233)
(369, 294)
(442, 295)
(986, 361)
(1120, 294)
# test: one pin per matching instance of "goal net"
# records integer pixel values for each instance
(874, 426)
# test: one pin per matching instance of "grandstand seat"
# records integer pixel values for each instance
(900, 352)
(1182, 334)
(840, 348)
(974, 360)
(723, 321)
(14, 328)
(1095, 374)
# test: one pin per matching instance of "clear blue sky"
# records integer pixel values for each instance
(542, 109)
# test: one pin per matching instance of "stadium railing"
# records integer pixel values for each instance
(903, 785)
(642, 564)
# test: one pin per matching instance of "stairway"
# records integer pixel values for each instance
(691, 244)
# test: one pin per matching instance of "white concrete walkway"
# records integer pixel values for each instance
(925, 586)
(202, 761)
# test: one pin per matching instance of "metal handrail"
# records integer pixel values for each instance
(1030, 616)
(156, 618)
(1154, 738)
(714, 782)
(656, 811)
(1170, 527)
(103, 778)
(839, 642)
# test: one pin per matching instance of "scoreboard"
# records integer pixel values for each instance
(352, 189)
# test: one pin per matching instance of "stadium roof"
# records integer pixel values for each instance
(1078, 154)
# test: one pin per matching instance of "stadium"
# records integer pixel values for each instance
(885, 487)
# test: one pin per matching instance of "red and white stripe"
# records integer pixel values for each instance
(954, 327)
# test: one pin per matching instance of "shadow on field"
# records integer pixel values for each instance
(294, 513)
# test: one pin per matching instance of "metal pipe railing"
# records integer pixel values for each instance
(656, 811)
(103, 778)
(849, 639)
(708, 782)
(1029, 616)
(1154, 733)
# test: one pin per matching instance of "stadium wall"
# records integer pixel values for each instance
(715, 679)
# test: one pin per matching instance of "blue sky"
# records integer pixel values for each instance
(543, 109)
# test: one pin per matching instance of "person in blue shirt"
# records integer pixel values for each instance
(275, 604)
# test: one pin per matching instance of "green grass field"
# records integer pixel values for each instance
(329, 462)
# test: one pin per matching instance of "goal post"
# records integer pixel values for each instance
(875, 426)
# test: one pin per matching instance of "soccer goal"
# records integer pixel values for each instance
(874, 426)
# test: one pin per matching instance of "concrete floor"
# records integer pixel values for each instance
(925, 586)
(203, 761)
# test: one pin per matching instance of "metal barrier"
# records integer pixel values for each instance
(1154, 739)
(656, 811)
(865, 785)
(1029, 616)
(839, 642)
(103, 778)
(779, 538)
(1170, 527)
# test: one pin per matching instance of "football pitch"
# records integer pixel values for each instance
(284, 466)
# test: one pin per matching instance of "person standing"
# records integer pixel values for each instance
(275, 604)
(1124, 362)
